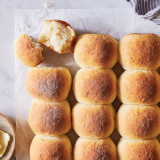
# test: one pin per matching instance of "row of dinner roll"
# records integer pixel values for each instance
(136, 51)
(50, 114)
(138, 119)
(94, 87)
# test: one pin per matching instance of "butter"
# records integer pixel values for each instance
(4, 140)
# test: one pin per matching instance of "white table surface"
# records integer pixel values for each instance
(7, 8)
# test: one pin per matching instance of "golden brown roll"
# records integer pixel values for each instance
(93, 121)
(95, 86)
(51, 148)
(58, 35)
(138, 149)
(140, 51)
(91, 149)
(96, 50)
(27, 51)
(138, 122)
(139, 87)
(50, 118)
(49, 84)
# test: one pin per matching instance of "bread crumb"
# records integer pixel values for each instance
(48, 5)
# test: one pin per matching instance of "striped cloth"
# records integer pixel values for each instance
(148, 9)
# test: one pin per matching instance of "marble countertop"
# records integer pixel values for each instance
(7, 8)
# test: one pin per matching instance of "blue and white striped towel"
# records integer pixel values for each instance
(148, 9)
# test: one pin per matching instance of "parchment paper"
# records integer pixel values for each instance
(116, 22)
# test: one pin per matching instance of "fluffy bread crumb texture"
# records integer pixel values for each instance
(57, 35)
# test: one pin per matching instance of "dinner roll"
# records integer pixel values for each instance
(51, 148)
(93, 121)
(138, 149)
(49, 84)
(139, 87)
(50, 118)
(138, 122)
(96, 50)
(140, 51)
(57, 35)
(92, 149)
(27, 51)
(95, 86)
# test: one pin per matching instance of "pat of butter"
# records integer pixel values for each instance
(4, 140)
